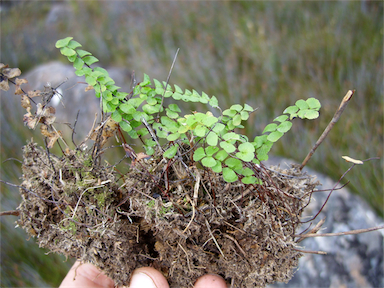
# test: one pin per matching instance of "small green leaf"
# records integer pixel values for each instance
(265, 148)
(292, 116)
(259, 141)
(230, 125)
(229, 175)
(221, 155)
(247, 108)
(174, 107)
(246, 147)
(231, 136)
(313, 103)
(212, 139)
(200, 117)
(135, 102)
(149, 150)
(149, 109)
(171, 114)
(80, 72)
(209, 121)
(233, 163)
(158, 84)
(107, 95)
(176, 96)
(245, 156)
(151, 101)
(108, 106)
(145, 90)
(262, 156)
(302, 104)
(199, 154)
(249, 180)
(217, 168)
(247, 172)
(244, 115)
(63, 42)
(284, 126)
(291, 110)
(78, 64)
(208, 161)
(274, 136)
(200, 130)
(133, 134)
(171, 152)
(178, 89)
(73, 44)
(270, 128)
(237, 120)
(72, 58)
(218, 127)
(116, 116)
(210, 150)
(229, 112)
(214, 102)
(311, 114)
(183, 128)
(302, 113)
(142, 132)
(67, 51)
(90, 80)
(89, 60)
(127, 108)
(121, 95)
(228, 147)
(236, 107)
(149, 142)
(82, 53)
(173, 137)
(146, 81)
(166, 121)
(205, 97)
(115, 101)
(281, 118)
(125, 126)
(112, 87)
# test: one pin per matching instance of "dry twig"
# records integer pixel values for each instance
(335, 118)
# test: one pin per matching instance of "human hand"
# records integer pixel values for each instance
(88, 276)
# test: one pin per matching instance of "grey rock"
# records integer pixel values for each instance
(351, 260)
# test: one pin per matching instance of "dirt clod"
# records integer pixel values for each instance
(168, 214)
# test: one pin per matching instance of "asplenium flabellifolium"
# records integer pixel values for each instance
(215, 141)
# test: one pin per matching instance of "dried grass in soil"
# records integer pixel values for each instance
(173, 216)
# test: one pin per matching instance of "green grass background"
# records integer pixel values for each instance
(267, 54)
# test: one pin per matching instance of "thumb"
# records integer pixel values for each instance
(148, 277)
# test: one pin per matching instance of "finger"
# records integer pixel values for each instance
(211, 281)
(84, 275)
(148, 277)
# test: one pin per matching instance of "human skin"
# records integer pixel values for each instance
(87, 276)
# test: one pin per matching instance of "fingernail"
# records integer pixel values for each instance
(140, 280)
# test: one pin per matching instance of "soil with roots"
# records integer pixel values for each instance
(174, 215)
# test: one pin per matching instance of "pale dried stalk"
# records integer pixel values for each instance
(335, 118)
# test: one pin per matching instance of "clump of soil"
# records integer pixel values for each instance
(173, 215)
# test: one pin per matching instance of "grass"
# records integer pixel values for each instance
(266, 54)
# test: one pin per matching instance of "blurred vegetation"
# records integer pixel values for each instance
(267, 54)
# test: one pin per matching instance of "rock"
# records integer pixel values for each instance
(351, 260)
